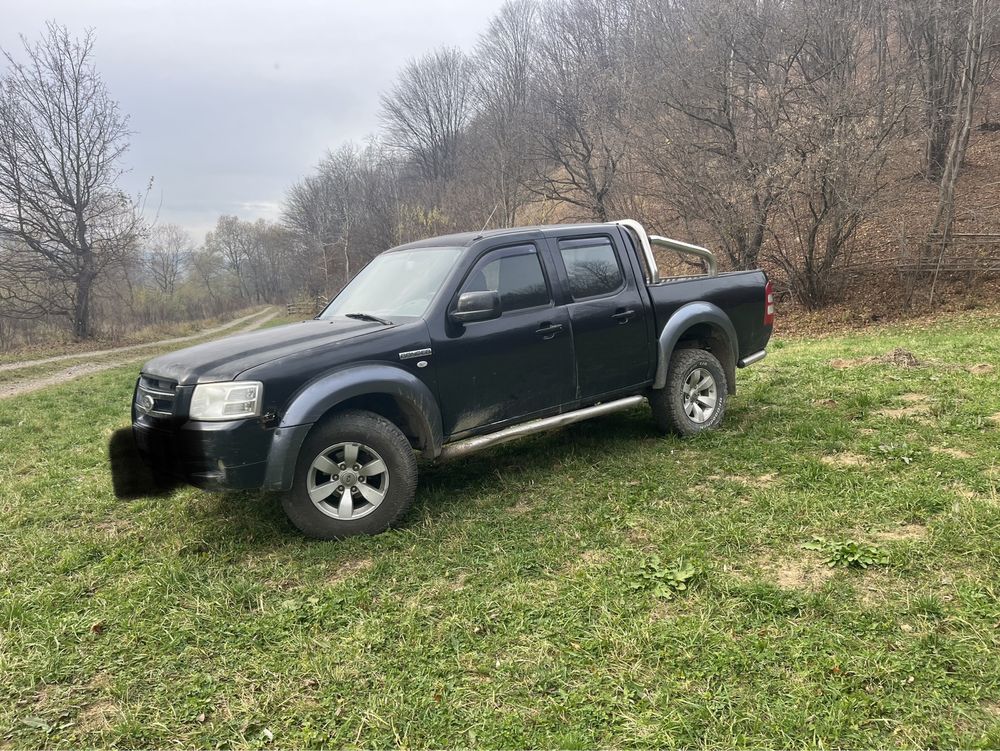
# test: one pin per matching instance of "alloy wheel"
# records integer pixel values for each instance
(347, 481)
(700, 395)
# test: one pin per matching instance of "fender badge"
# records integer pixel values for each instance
(422, 364)
(416, 353)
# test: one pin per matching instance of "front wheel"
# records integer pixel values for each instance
(356, 475)
(694, 397)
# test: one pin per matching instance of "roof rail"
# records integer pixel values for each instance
(646, 241)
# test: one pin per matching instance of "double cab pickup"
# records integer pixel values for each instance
(445, 346)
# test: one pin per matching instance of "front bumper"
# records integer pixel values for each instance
(212, 455)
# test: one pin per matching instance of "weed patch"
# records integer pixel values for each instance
(663, 581)
(847, 553)
(899, 357)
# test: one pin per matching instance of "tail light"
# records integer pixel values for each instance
(768, 304)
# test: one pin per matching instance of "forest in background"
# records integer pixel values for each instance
(773, 131)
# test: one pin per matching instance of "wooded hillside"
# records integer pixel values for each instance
(828, 142)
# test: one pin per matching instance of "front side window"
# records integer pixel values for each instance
(400, 284)
(592, 266)
(515, 273)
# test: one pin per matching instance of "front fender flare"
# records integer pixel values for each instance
(321, 395)
(684, 318)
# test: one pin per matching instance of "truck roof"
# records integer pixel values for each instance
(464, 239)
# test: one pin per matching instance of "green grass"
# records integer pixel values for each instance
(531, 598)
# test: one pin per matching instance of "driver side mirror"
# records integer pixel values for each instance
(476, 306)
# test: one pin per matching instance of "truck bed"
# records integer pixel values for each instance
(740, 294)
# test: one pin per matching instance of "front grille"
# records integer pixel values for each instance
(155, 396)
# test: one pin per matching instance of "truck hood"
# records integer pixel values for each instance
(224, 359)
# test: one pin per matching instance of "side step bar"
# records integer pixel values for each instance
(468, 445)
(751, 359)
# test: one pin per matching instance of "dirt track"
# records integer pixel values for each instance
(16, 388)
(129, 348)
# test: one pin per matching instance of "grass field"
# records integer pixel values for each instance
(533, 596)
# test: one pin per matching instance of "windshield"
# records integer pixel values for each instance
(400, 284)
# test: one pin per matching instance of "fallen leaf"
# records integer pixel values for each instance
(36, 722)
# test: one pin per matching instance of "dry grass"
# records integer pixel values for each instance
(796, 572)
(902, 532)
(845, 459)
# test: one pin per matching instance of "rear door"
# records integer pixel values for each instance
(607, 312)
(517, 365)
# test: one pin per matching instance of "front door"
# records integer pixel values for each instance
(516, 365)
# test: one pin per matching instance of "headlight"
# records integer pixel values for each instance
(226, 401)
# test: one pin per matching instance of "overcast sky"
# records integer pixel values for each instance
(230, 102)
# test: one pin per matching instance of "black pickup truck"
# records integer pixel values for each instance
(445, 346)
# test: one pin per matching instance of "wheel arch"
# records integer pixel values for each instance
(386, 390)
(700, 325)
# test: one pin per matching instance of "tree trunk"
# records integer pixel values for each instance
(81, 304)
(756, 241)
(938, 141)
(955, 156)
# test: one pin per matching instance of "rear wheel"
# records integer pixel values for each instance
(694, 397)
(356, 475)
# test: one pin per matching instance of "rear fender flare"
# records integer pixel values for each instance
(683, 319)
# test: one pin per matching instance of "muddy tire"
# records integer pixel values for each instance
(694, 397)
(356, 475)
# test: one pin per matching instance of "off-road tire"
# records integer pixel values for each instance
(668, 403)
(370, 431)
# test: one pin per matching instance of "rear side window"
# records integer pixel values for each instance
(592, 266)
(516, 273)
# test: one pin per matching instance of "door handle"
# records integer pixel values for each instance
(549, 330)
(624, 316)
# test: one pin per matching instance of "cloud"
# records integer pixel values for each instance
(231, 101)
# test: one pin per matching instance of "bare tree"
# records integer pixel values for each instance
(850, 119)
(344, 213)
(771, 127)
(63, 220)
(381, 203)
(311, 217)
(206, 267)
(934, 32)
(168, 253)
(504, 67)
(980, 24)
(229, 242)
(584, 95)
(427, 109)
(721, 115)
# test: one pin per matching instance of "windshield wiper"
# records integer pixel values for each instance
(368, 317)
